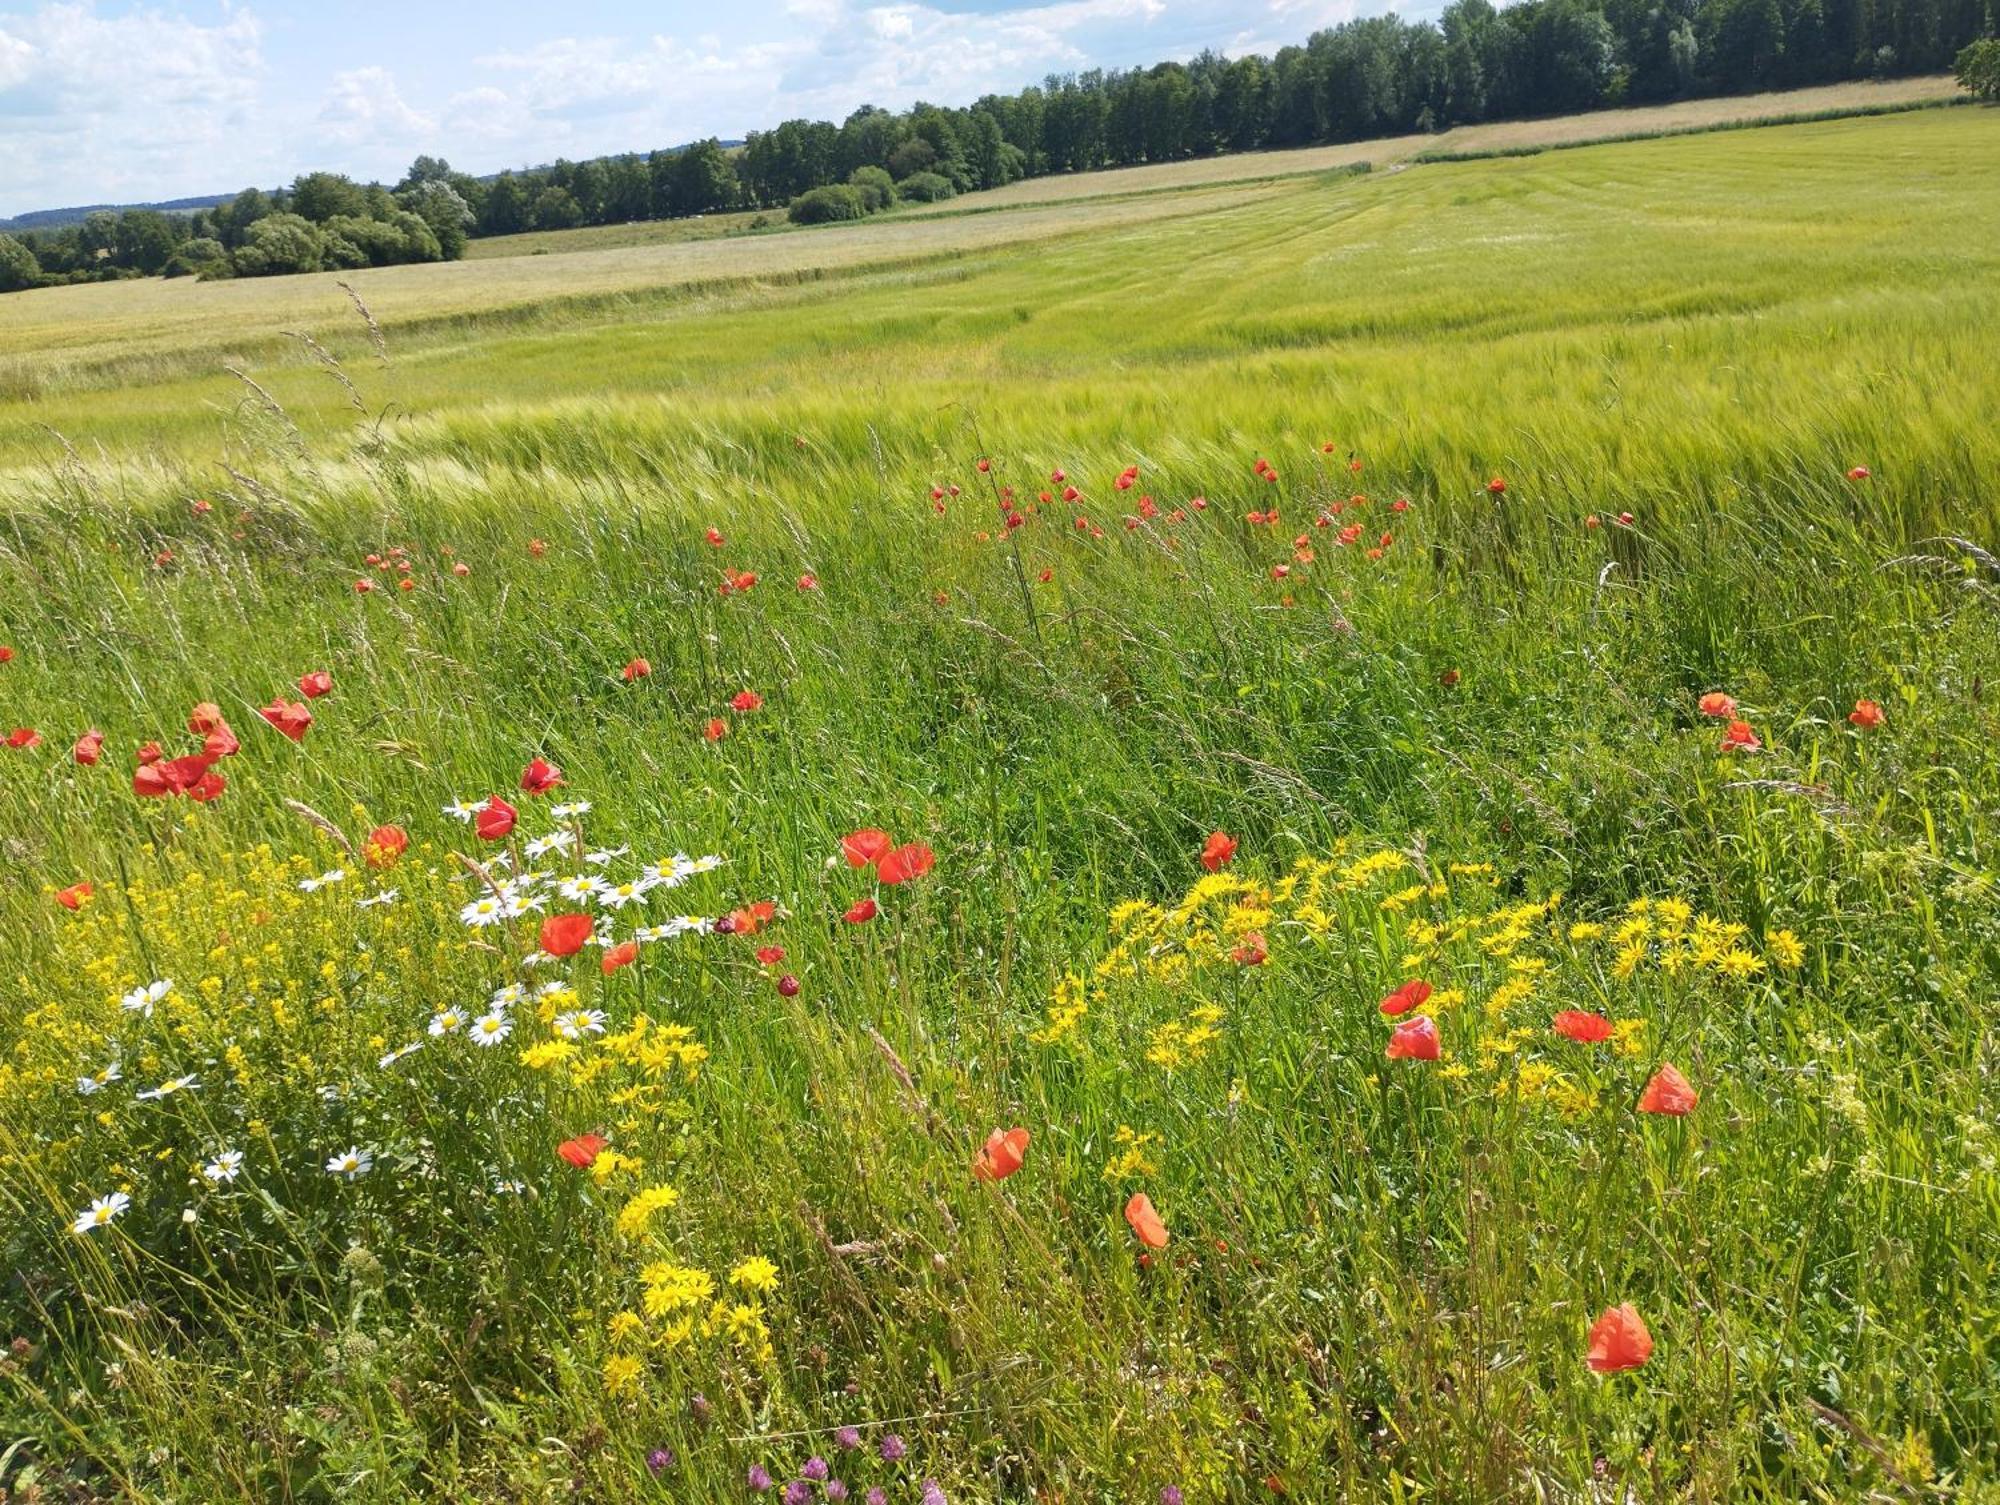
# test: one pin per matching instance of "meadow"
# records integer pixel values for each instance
(1326, 839)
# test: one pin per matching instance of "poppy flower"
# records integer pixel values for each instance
(905, 863)
(1252, 952)
(808, 581)
(1858, 473)
(315, 683)
(746, 700)
(715, 729)
(1414, 1040)
(1593, 521)
(1001, 1155)
(24, 737)
(637, 669)
(540, 776)
(1740, 737)
(1497, 486)
(788, 986)
(208, 787)
(6, 654)
(150, 782)
(1217, 851)
(582, 1151)
(89, 748)
(860, 913)
(1717, 704)
(363, 586)
(1866, 714)
(564, 934)
(734, 581)
(866, 846)
(1449, 678)
(1146, 1224)
(220, 743)
(461, 569)
(1127, 478)
(151, 752)
(1410, 995)
(384, 845)
(714, 537)
(752, 918)
(75, 896)
(292, 720)
(621, 955)
(1585, 1029)
(496, 820)
(768, 956)
(1619, 1340)
(205, 718)
(1668, 1092)
(537, 547)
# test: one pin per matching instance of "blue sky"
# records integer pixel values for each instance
(105, 100)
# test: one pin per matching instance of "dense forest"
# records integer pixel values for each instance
(1373, 77)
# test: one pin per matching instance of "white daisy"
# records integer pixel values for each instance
(141, 1000)
(324, 880)
(483, 911)
(447, 1022)
(507, 996)
(706, 864)
(550, 989)
(581, 888)
(578, 1023)
(398, 1053)
(541, 846)
(167, 1089)
(351, 1163)
(520, 904)
(491, 1029)
(652, 933)
(537, 958)
(508, 1188)
(573, 808)
(224, 1166)
(618, 895)
(100, 1212)
(103, 1077)
(672, 871)
(605, 856)
(464, 811)
(376, 901)
(689, 924)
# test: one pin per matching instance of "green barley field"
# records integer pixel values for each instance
(1429, 735)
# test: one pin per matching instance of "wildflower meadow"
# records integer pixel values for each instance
(1099, 870)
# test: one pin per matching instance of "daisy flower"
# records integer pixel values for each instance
(224, 1166)
(351, 1163)
(100, 1212)
(520, 904)
(569, 811)
(581, 888)
(398, 1053)
(447, 1022)
(685, 924)
(314, 885)
(377, 901)
(541, 846)
(141, 1000)
(653, 933)
(670, 872)
(605, 856)
(618, 895)
(167, 1089)
(461, 810)
(483, 911)
(98, 1080)
(580, 1022)
(508, 1188)
(506, 997)
(550, 989)
(491, 1029)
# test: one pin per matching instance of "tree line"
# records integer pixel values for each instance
(1373, 77)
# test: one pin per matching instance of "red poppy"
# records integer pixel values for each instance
(1410, 995)
(638, 668)
(363, 586)
(315, 683)
(1619, 1340)
(905, 863)
(715, 729)
(6, 654)
(1718, 705)
(24, 736)
(737, 580)
(1145, 1221)
(1497, 486)
(208, 787)
(496, 820)
(1668, 1092)
(1126, 478)
(582, 1151)
(714, 537)
(220, 743)
(565, 934)
(621, 955)
(1001, 1155)
(1858, 473)
(769, 956)
(1449, 678)
(1251, 952)
(1217, 851)
(150, 753)
(75, 896)
(788, 986)
(1866, 714)
(461, 569)
(384, 845)
(1592, 521)
(1740, 737)
(808, 581)
(537, 547)
(752, 918)
(1585, 1029)
(1414, 1040)
(89, 748)
(860, 913)
(746, 700)
(866, 846)
(205, 718)
(540, 776)
(290, 719)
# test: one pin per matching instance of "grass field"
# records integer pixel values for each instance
(1418, 517)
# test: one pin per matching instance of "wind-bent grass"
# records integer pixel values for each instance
(1381, 1273)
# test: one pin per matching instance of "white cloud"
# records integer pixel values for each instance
(364, 109)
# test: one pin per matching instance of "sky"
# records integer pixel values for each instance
(103, 101)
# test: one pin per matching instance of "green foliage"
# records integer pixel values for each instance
(200, 257)
(877, 189)
(925, 188)
(822, 206)
(18, 267)
(278, 244)
(1978, 69)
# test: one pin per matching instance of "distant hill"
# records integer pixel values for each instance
(55, 219)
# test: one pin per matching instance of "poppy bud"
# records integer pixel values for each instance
(788, 986)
